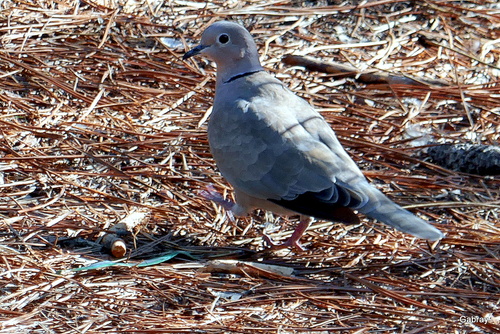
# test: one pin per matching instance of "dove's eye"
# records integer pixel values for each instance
(223, 39)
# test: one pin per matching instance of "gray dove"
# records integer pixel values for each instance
(277, 152)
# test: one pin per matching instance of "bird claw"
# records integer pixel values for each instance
(212, 195)
(290, 243)
(293, 241)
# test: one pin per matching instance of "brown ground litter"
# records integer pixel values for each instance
(101, 123)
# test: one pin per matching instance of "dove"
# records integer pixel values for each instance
(278, 153)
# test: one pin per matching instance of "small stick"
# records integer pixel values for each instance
(344, 71)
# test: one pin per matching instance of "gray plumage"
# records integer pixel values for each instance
(277, 152)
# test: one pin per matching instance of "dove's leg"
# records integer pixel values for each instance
(232, 209)
(241, 208)
(212, 195)
(293, 241)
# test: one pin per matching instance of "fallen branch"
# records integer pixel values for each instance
(342, 71)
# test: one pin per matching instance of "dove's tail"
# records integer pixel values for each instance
(384, 210)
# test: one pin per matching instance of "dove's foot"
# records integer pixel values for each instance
(293, 241)
(212, 195)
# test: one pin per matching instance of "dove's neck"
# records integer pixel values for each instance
(232, 71)
(242, 75)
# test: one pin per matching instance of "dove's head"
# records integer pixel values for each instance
(231, 47)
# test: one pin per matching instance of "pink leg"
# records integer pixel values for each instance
(293, 241)
(212, 195)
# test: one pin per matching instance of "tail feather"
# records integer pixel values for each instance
(384, 210)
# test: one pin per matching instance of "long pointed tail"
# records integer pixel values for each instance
(383, 209)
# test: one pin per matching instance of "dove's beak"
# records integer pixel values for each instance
(194, 51)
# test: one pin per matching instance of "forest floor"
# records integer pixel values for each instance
(103, 135)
